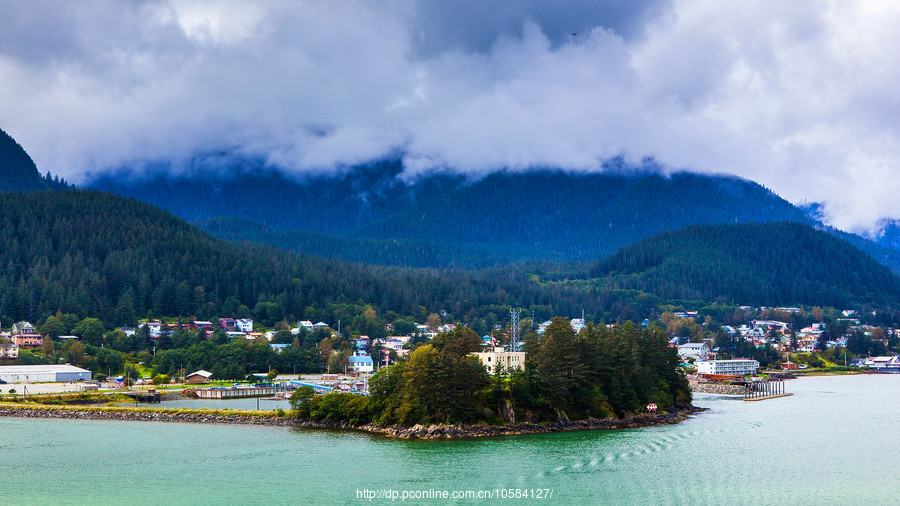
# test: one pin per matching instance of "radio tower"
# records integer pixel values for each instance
(513, 330)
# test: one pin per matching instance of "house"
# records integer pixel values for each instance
(22, 327)
(508, 360)
(308, 325)
(693, 350)
(320, 325)
(128, 331)
(198, 378)
(542, 327)
(228, 324)
(577, 324)
(361, 363)
(244, 324)
(278, 348)
(9, 350)
(686, 314)
(197, 324)
(155, 327)
(28, 341)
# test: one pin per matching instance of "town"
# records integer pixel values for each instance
(755, 338)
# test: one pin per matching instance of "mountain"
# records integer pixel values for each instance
(102, 255)
(374, 214)
(753, 263)
(17, 169)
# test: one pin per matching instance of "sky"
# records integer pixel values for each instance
(800, 96)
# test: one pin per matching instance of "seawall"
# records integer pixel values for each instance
(717, 388)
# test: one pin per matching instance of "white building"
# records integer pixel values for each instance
(361, 363)
(42, 373)
(736, 367)
(695, 350)
(245, 324)
(9, 350)
(508, 360)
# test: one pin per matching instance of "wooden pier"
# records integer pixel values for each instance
(150, 396)
(234, 393)
(765, 389)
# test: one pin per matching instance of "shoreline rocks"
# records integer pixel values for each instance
(415, 432)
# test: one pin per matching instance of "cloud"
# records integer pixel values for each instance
(800, 96)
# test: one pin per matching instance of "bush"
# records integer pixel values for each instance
(161, 379)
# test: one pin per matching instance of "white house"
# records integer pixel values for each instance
(693, 350)
(361, 363)
(22, 327)
(245, 324)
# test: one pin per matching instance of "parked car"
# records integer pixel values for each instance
(2, 381)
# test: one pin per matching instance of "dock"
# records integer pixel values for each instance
(150, 396)
(233, 393)
(760, 390)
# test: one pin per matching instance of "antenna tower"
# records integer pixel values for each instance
(514, 330)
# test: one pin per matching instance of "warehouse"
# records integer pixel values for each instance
(42, 373)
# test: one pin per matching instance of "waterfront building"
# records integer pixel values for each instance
(736, 367)
(42, 373)
(198, 378)
(883, 364)
(508, 360)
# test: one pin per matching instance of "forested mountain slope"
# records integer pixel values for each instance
(372, 214)
(18, 171)
(752, 263)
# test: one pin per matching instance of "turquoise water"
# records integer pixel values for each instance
(833, 442)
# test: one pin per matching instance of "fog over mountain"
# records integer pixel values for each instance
(799, 96)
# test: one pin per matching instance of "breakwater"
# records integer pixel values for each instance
(718, 388)
(146, 415)
(270, 418)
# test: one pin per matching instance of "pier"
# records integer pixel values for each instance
(765, 389)
(150, 396)
(234, 393)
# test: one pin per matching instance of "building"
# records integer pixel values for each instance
(361, 363)
(9, 350)
(244, 324)
(198, 378)
(22, 327)
(695, 350)
(736, 367)
(43, 373)
(28, 341)
(508, 360)
(883, 364)
(229, 324)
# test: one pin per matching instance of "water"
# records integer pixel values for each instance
(830, 443)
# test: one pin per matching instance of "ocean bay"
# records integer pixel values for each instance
(828, 443)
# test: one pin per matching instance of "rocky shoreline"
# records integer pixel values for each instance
(416, 432)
